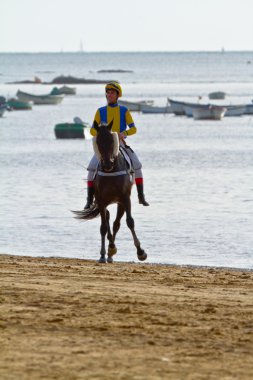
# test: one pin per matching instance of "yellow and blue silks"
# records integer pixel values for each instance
(121, 119)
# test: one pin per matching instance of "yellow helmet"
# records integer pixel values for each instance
(114, 86)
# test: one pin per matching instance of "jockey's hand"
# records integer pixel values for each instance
(121, 136)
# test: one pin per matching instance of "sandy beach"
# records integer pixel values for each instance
(77, 319)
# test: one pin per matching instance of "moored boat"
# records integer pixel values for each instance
(39, 99)
(231, 110)
(217, 95)
(210, 112)
(16, 104)
(70, 130)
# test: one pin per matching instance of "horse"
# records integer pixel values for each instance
(112, 184)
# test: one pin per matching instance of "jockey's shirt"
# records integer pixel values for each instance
(122, 119)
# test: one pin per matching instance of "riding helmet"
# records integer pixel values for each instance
(114, 86)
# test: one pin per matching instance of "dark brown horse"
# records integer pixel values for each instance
(113, 184)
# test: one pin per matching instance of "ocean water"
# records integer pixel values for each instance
(198, 174)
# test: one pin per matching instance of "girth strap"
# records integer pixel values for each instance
(113, 174)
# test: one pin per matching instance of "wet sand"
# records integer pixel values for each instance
(76, 319)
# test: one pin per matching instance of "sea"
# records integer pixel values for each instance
(198, 174)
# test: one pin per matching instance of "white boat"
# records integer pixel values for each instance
(145, 108)
(232, 110)
(177, 106)
(236, 110)
(134, 106)
(210, 112)
(39, 99)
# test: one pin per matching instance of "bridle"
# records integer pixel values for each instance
(107, 162)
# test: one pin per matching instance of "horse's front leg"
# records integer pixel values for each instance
(111, 247)
(141, 254)
(103, 231)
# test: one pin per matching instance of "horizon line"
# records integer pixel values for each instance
(126, 51)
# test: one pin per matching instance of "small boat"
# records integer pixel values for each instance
(209, 112)
(73, 130)
(16, 104)
(217, 95)
(145, 108)
(39, 99)
(177, 107)
(232, 110)
(64, 90)
(134, 106)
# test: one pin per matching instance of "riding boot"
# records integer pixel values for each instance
(141, 195)
(90, 197)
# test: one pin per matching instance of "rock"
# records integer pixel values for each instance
(114, 71)
(73, 80)
(65, 80)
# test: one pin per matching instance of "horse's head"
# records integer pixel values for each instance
(106, 145)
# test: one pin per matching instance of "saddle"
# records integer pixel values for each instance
(129, 169)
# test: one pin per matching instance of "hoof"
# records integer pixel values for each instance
(109, 260)
(112, 251)
(102, 260)
(142, 255)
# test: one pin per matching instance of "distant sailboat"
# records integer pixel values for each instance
(81, 47)
(223, 49)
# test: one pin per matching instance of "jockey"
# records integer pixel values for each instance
(121, 120)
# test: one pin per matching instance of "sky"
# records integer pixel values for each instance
(129, 25)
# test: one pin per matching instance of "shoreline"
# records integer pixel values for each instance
(189, 266)
(68, 318)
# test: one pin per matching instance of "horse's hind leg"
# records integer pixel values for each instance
(103, 231)
(141, 254)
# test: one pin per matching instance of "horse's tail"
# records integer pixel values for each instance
(87, 214)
